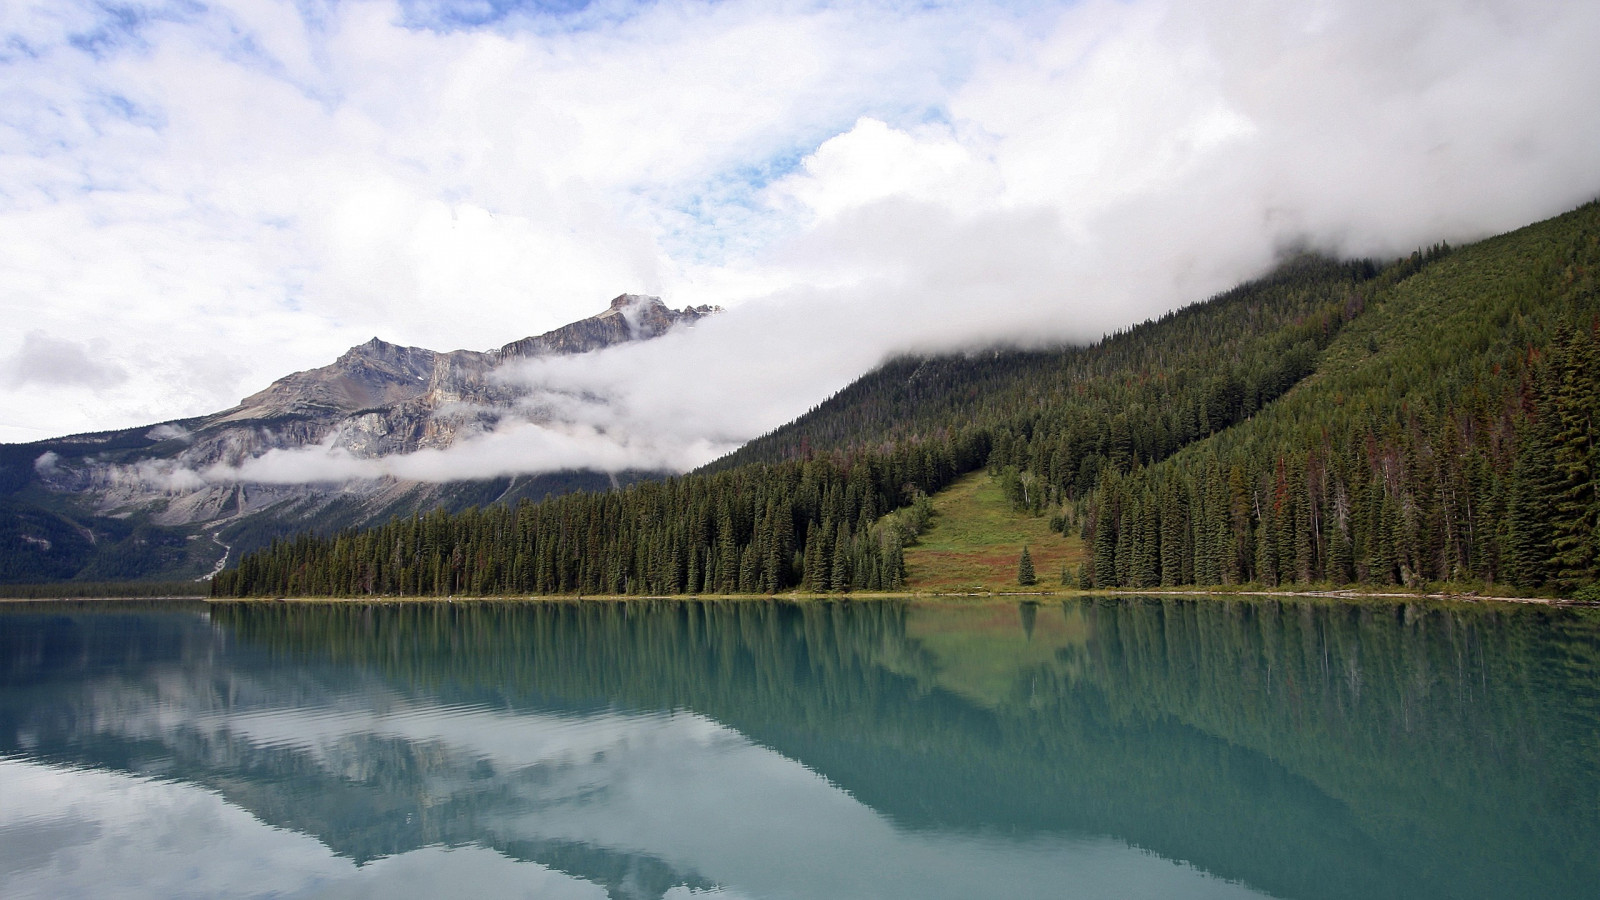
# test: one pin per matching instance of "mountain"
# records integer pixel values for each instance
(1437, 426)
(413, 391)
(1430, 420)
(132, 504)
(1134, 396)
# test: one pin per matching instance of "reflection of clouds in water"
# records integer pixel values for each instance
(152, 839)
(131, 837)
(509, 740)
(340, 757)
(703, 799)
(456, 872)
(742, 815)
(676, 795)
(29, 845)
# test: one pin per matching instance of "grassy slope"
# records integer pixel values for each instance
(974, 541)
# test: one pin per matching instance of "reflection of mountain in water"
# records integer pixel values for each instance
(169, 695)
(1307, 750)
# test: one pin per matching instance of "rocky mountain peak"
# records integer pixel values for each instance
(376, 399)
(629, 317)
(376, 349)
(378, 374)
(623, 301)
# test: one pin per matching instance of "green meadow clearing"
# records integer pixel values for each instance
(974, 541)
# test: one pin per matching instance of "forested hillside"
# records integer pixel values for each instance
(1448, 435)
(1428, 420)
(1132, 398)
(816, 523)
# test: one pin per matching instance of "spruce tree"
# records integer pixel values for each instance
(840, 568)
(1573, 408)
(1147, 555)
(1025, 574)
(1528, 509)
(1105, 550)
(894, 563)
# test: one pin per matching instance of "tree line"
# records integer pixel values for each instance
(1462, 452)
(833, 522)
(1334, 422)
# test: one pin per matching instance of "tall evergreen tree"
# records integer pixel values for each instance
(1025, 575)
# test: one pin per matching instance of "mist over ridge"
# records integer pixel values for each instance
(894, 180)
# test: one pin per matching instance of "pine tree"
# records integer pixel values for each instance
(1105, 549)
(1341, 555)
(1174, 528)
(840, 568)
(1574, 407)
(749, 570)
(1147, 555)
(1025, 574)
(894, 563)
(1528, 509)
(816, 575)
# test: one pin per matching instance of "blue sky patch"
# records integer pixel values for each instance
(120, 25)
(15, 48)
(466, 15)
(121, 107)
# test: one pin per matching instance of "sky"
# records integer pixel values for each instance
(198, 198)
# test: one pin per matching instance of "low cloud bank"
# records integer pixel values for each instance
(1140, 157)
(1060, 174)
(518, 448)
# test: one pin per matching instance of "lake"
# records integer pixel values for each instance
(1129, 747)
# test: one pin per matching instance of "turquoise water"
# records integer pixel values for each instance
(1101, 748)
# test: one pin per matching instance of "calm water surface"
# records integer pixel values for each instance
(1107, 748)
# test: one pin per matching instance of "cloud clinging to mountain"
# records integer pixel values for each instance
(222, 194)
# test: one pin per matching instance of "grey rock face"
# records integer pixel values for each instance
(377, 399)
(390, 397)
(380, 399)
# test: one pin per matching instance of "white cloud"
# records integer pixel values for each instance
(873, 161)
(53, 362)
(515, 448)
(281, 186)
(46, 463)
(238, 192)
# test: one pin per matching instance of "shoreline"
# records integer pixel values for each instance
(169, 598)
(1339, 594)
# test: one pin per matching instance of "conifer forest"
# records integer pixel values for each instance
(1421, 421)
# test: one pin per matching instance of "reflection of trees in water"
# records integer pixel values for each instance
(1310, 749)
(150, 692)
(1465, 738)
